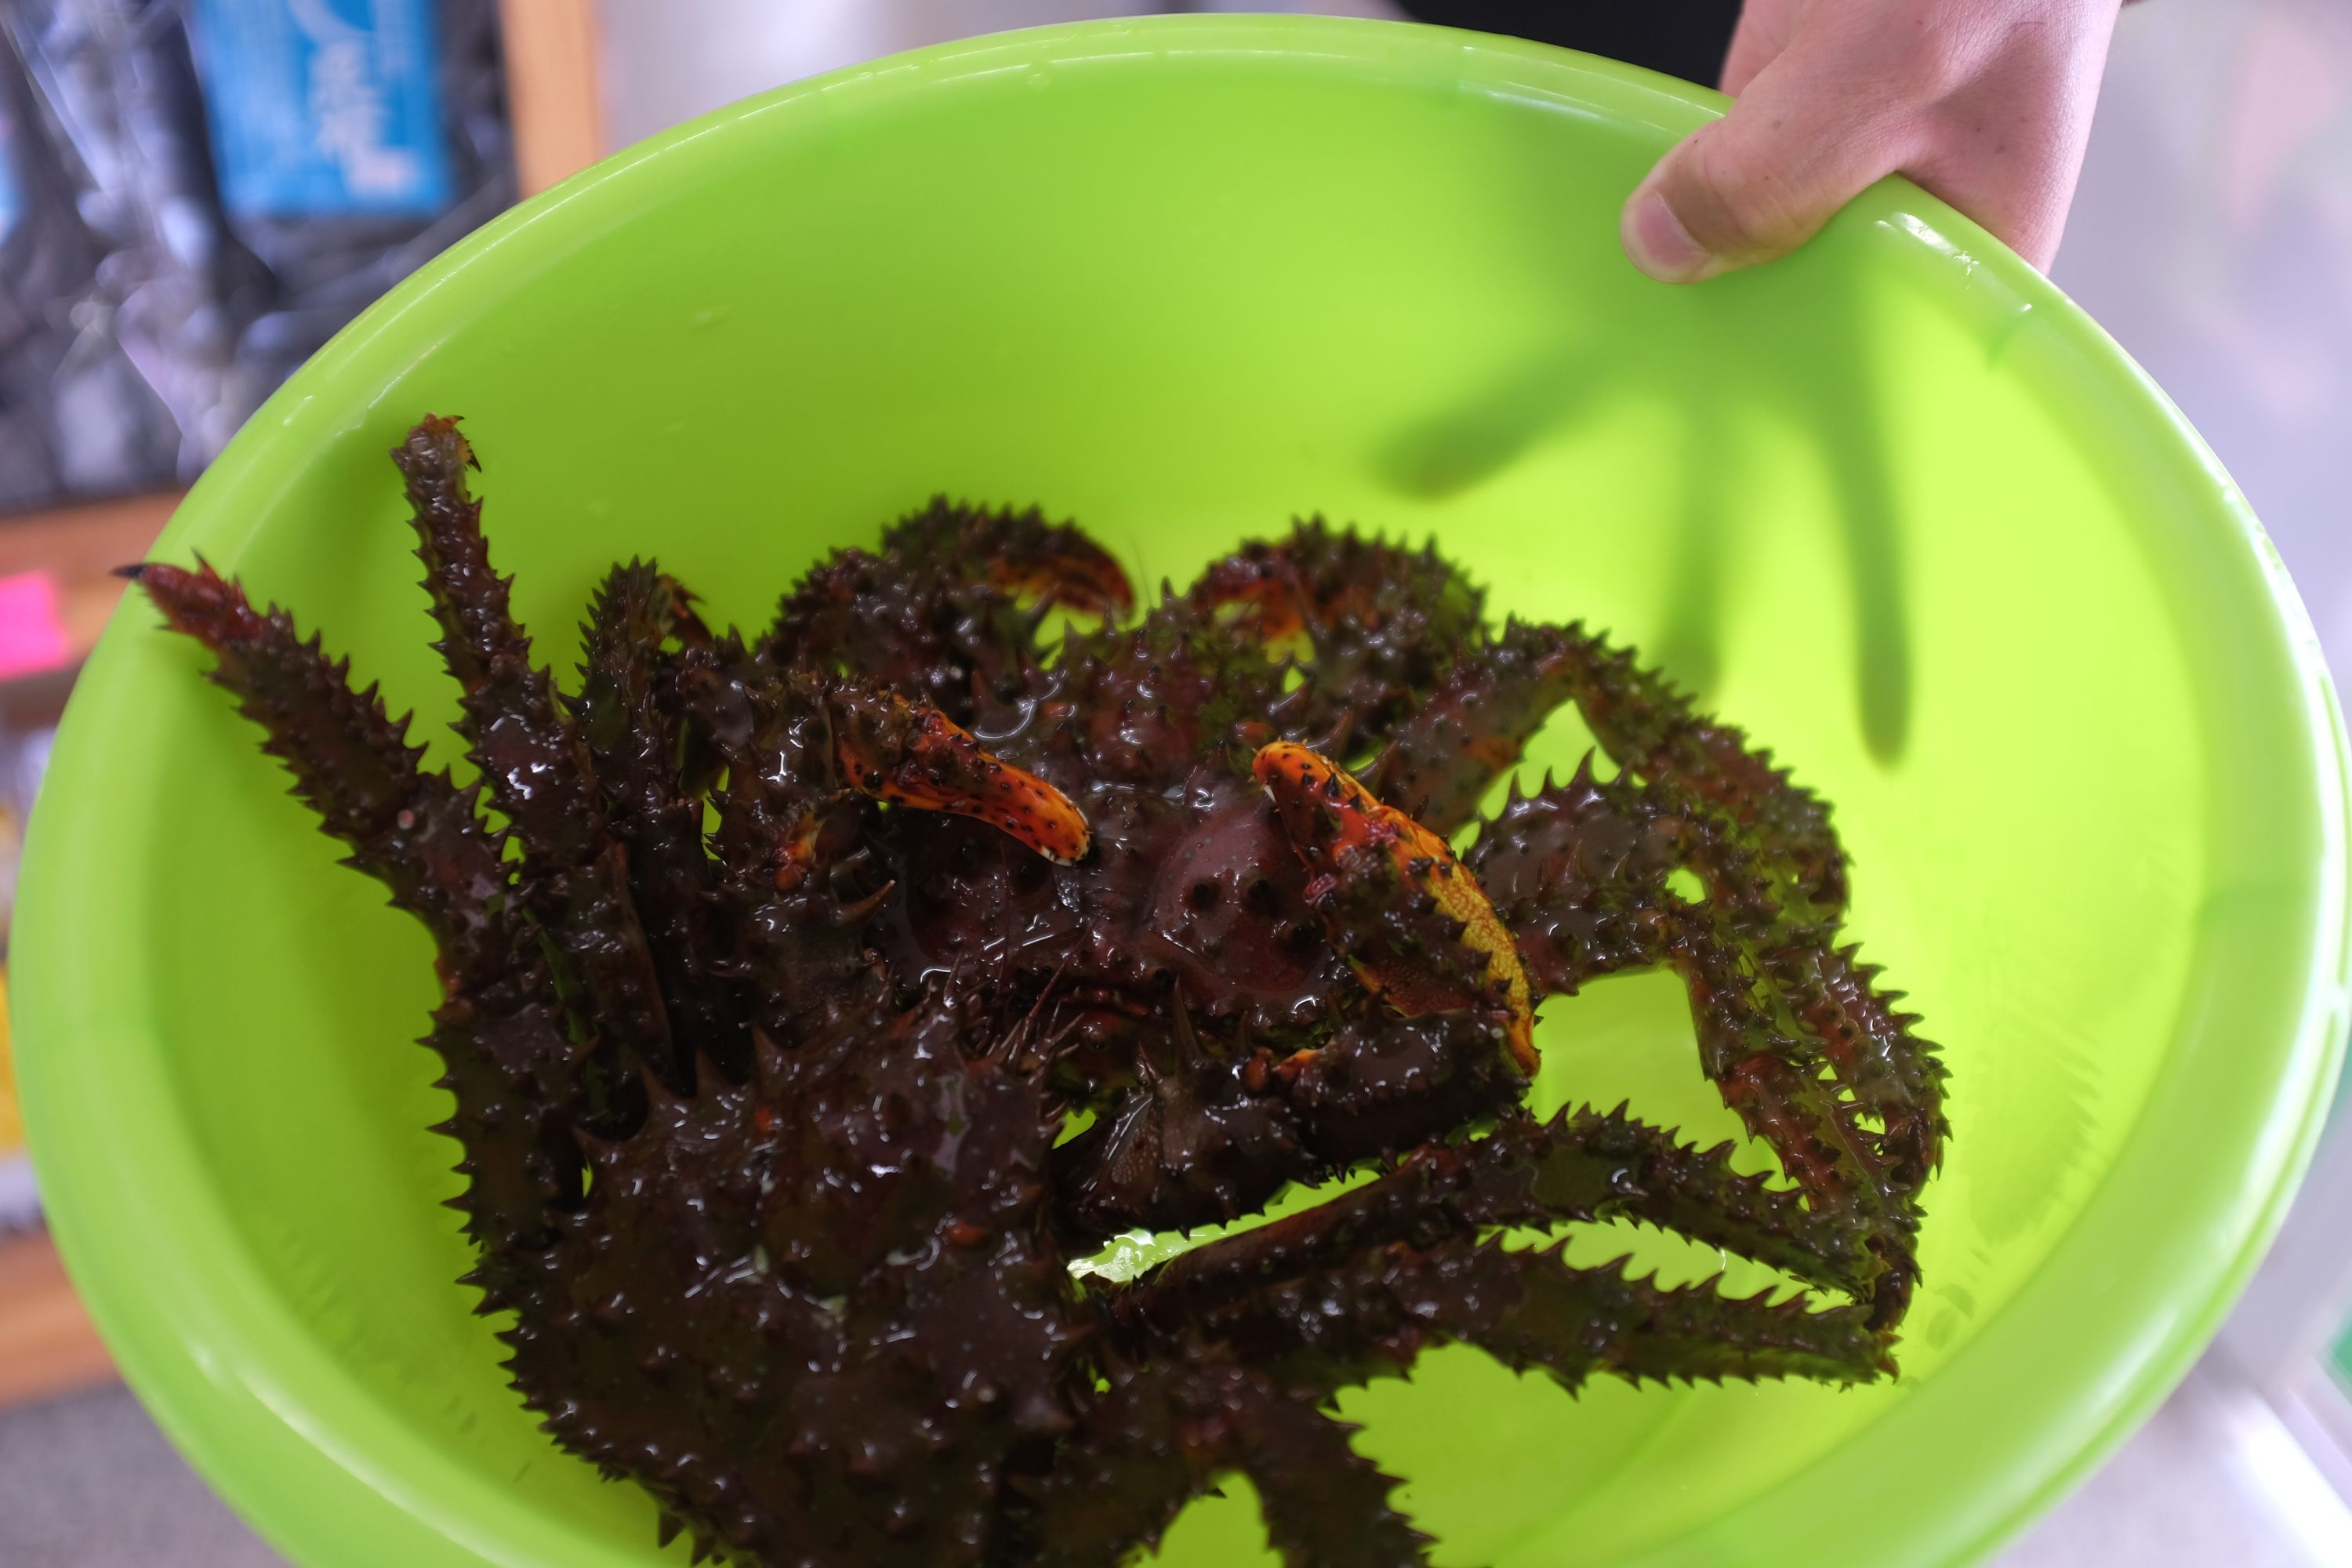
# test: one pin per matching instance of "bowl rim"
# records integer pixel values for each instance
(202, 1341)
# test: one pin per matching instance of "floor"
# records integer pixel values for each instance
(2213, 1477)
(2209, 236)
(87, 1482)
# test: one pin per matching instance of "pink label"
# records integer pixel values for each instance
(32, 637)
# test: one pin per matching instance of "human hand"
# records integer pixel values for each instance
(1987, 104)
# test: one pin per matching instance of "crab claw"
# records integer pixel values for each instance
(1077, 574)
(1019, 553)
(1410, 918)
(912, 754)
(1265, 588)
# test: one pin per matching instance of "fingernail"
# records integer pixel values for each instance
(1658, 243)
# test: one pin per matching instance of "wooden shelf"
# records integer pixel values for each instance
(79, 547)
(551, 88)
(47, 1344)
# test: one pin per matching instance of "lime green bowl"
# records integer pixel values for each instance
(1894, 504)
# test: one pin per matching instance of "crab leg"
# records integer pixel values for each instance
(413, 831)
(538, 769)
(1890, 1071)
(716, 683)
(1383, 1084)
(1375, 1313)
(1649, 727)
(513, 1069)
(1016, 553)
(1478, 722)
(1382, 621)
(785, 828)
(1579, 872)
(1473, 727)
(1408, 916)
(636, 742)
(1198, 1139)
(949, 612)
(1826, 999)
(1205, 1138)
(1158, 1437)
(1580, 1166)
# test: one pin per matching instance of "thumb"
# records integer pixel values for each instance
(1762, 180)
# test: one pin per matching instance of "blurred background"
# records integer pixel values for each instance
(196, 195)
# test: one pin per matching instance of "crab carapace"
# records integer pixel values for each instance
(769, 1006)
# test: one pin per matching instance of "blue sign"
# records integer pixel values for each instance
(11, 203)
(323, 108)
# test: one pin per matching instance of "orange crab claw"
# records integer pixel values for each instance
(1359, 850)
(914, 754)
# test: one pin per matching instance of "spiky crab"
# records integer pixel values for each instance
(764, 1129)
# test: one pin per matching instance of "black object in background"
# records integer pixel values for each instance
(196, 195)
(1687, 38)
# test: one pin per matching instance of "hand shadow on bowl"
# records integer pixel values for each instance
(1553, 391)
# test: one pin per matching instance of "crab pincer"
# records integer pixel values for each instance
(1409, 918)
(913, 755)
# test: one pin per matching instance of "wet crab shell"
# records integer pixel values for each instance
(763, 1129)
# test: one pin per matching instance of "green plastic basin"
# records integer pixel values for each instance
(1895, 504)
